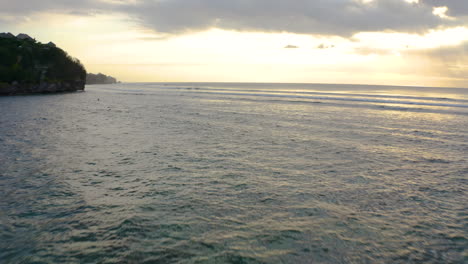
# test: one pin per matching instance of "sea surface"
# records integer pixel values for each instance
(235, 173)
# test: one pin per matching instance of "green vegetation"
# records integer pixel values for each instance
(28, 61)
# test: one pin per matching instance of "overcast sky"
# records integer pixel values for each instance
(410, 42)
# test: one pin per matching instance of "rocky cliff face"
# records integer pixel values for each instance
(27, 88)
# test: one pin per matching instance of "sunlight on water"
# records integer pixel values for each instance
(235, 173)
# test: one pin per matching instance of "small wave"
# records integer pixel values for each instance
(288, 92)
(336, 98)
(441, 161)
(388, 101)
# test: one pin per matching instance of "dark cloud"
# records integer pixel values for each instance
(24, 7)
(330, 17)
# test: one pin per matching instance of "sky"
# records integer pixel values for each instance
(391, 42)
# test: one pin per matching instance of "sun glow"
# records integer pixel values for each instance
(117, 46)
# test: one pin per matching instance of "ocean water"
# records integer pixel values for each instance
(235, 173)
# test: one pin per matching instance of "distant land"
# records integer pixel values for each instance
(28, 67)
(99, 79)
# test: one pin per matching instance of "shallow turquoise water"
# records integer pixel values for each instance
(235, 173)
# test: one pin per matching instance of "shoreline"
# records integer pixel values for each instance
(17, 88)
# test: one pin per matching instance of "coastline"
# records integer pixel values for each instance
(17, 88)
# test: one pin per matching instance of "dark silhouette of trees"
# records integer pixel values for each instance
(28, 61)
(99, 79)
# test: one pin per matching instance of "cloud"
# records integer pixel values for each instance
(325, 46)
(450, 53)
(455, 7)
(451, 61)
(291, 47)
(153, 38)
(331, 17)
(24, 7)
(372, 51)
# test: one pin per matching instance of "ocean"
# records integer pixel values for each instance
(235, 173)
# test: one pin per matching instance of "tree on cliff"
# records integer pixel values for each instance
(26, 61)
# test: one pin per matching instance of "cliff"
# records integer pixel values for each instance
(27, 66)
(99, 79)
